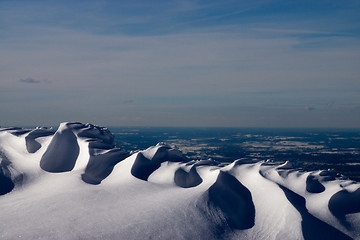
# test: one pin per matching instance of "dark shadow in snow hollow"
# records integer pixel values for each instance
(345, 202)
(143, 167)
(229, 205)
(187, 179)
(31, 144)
(6, 184)
(101, 165)
(103, 154)
(62, 152)
(313, 185)
(312, 227)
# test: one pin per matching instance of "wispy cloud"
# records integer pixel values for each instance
(309, 108)
(129, 101)
(29, 80)
(292, 31)
(34, 81)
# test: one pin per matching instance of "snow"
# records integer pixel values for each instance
(157, 193)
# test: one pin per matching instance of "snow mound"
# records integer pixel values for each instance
(75, 183)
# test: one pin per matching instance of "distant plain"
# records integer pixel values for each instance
(336, 150)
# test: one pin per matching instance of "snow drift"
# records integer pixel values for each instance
(75, 183)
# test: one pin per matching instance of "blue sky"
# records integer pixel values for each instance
(180, 63)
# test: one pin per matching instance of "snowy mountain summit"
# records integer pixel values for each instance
(75, 183)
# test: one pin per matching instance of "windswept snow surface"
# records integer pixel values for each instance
(76, 184)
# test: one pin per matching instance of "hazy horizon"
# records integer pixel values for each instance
(114, 127)
(181, 63)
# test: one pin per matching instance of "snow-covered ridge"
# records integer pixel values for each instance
(77, 175)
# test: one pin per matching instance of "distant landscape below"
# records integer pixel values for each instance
(337, 150)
